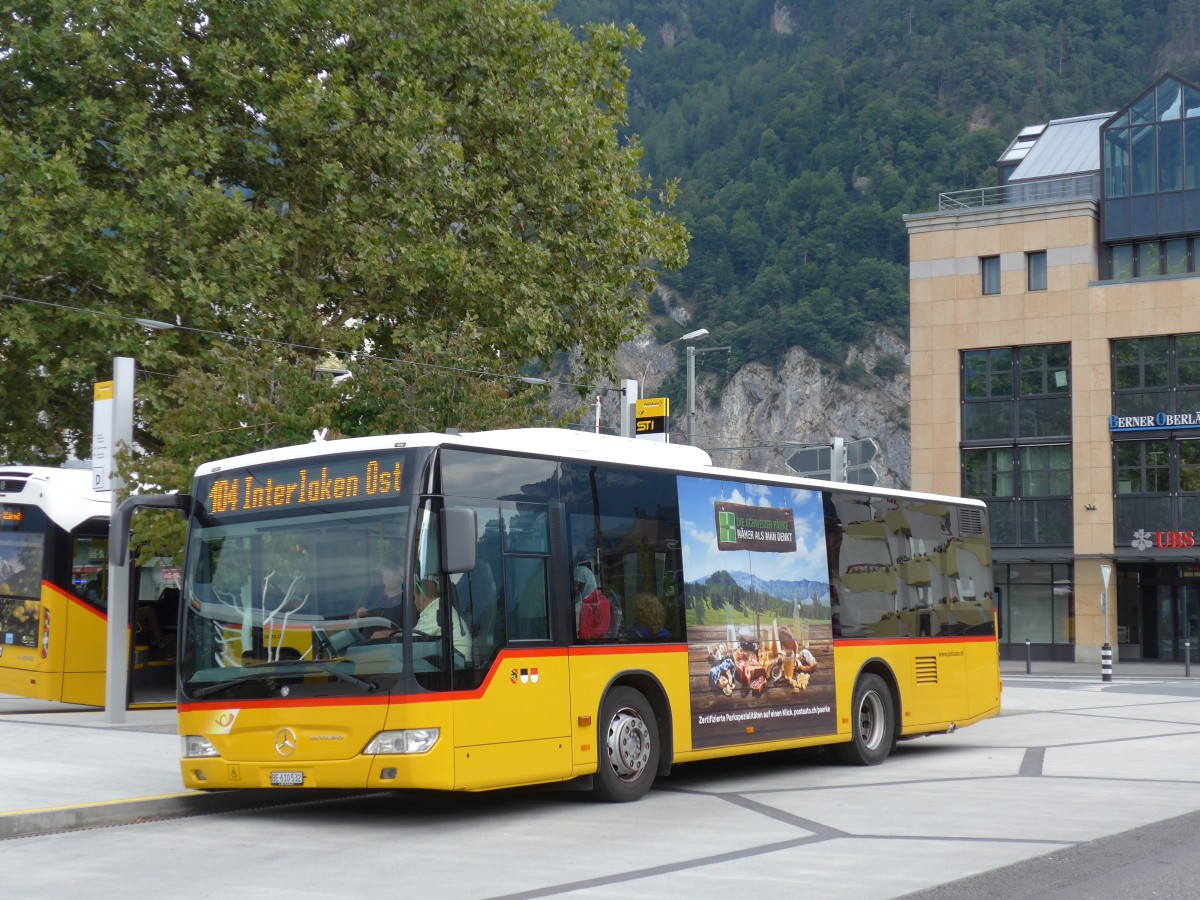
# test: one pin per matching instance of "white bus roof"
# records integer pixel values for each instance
(65, 495)
(541, 441)
(555, 442)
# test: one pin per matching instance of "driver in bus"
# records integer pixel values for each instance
(385, 602)
(427, 597)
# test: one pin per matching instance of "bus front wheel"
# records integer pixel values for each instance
(872, 723)
(628, 747)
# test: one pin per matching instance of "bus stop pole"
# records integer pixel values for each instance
(116, 670)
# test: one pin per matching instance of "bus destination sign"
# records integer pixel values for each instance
(306, 482)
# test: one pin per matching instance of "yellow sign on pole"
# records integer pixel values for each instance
(650, 418)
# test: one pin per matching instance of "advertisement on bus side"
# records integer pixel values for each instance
(760, 636)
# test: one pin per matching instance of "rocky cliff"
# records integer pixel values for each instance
(760, 417)
(756, 420)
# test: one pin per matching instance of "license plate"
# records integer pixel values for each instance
(287, 778)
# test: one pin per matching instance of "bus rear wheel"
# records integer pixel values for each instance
(872, 724)
(628, 747)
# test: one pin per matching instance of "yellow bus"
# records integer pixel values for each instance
(53, 588)
(489, 610)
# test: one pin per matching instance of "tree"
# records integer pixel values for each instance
(440, 182)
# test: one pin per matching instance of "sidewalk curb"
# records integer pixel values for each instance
(52, 820)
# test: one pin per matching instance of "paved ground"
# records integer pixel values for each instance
(63, 767)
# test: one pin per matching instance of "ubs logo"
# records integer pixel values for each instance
(285, 742)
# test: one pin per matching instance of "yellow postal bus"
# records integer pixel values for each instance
(53, 588)
(468, 612)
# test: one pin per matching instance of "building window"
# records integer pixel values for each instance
(1157, 485)
(1156, 459)
(1035, 264)
(1150, 259)
(991, 274)
(1016, 451)
(1036, 603)
(1121, 262)
(1141, 372)
(1175, 257)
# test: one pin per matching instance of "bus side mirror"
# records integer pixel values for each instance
(118, 531)
(458, 539)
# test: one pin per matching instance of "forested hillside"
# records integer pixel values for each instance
(802, 130)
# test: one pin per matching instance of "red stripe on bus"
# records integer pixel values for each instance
(76, 601)
(501, 663)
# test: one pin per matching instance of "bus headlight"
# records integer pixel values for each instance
(411, 740)
(195, 746)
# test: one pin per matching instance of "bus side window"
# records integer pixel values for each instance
(526, 591)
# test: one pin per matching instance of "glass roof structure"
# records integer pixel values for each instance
(1151, 164)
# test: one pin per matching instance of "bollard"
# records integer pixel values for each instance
(1106, 662)
(1028, 659)
(1187, 659)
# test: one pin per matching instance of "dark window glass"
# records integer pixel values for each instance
(1169, 99)
(1143, 111)
(991, 274)
(1002, 518)
(1149, 262)
(1045, 369)
(624, 528)
(1142, 467)
(1027, 487)
(988, 473)
(1189, 466)
(1176, 257)
(1187, 362)
(1116, 162)
(1137, 404)
(1049, 417)
(987, 373)
(1122, 261)
(1046, 471)
(526, 584)
(479, 593)
(1142, 160)
(1046, 522)
(1142, 363)
(1136, 513)
(467, 473)
(1170, 157)
(1191, 154)
(987, 420)
(1036, 265)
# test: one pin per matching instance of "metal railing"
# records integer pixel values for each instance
(1074, 187)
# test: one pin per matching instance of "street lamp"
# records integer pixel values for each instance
(690, 336)
(691, 388)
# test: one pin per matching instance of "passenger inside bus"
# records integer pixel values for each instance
(592, 610)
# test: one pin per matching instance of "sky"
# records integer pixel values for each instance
(699, 531)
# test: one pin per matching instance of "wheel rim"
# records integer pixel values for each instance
(628, 744)
(870, 720)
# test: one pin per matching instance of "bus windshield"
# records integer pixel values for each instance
(298, 583)
(22, 536)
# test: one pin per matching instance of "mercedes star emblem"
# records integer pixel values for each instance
(285, 742)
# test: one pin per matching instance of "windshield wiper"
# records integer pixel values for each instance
(259, 674)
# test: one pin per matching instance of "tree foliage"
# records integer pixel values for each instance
(438, 183)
